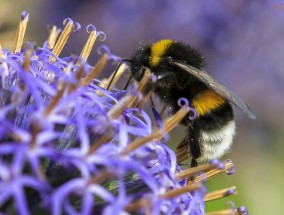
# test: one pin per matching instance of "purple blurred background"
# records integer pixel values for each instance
(243, 42)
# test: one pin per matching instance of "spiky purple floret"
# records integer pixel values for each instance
(243, 210)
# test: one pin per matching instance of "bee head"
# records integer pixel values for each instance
(159, 58)
(140, 60)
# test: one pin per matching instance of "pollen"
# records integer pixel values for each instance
(207, 101)
(157, 50)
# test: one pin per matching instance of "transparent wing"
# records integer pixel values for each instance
(213, 84)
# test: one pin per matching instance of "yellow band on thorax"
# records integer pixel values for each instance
(157, 50)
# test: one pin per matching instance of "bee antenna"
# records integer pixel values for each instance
(116, 69)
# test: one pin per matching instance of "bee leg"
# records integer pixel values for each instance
(116, 70)
(193, 145)
(163, 110)
(190, 143)
(193, 163)
(127, 83)
(152, 101)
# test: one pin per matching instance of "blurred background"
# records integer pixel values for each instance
(243, 42)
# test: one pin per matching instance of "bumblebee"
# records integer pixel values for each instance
(179, 71)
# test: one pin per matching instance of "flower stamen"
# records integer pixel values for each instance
(54, 101)
(95, 72)
(96, 144)
(21, 31)
(218, 194)
(146, 203)
(141, 203)
(229, 169)
(27, 61)
(69, 27)
(52, 37)
(91, 29)
(176, 192)
(182, 154)
(98, 180)
(194, 170)
(79, 74)
(237, 211)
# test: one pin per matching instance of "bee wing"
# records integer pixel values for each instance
(213, 84)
